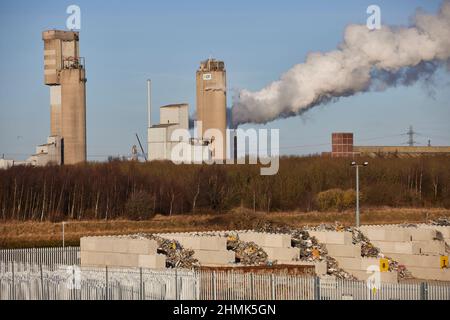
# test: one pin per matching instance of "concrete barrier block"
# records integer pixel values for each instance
(208, 257)
(121, 259)
(444, 230)
(385, 277)
(418, 234)
(369, 262)
(387, 247)
(430, 274)
(332, 237)
(419, 261)
(285, 254)
(203, 242)
(155, 261)
(387, 234)
(118, 245)
(320, 267)
(92, 259)
(87, 244)
(347, 263)
(344, 250)
(267, 239)
(144, 246)
(431, 247)
(100, 244)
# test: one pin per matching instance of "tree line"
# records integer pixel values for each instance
(132, 190)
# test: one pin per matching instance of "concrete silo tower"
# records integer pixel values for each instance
(212, 105)
(65, 74)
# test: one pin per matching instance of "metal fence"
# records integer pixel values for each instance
(48, 256)
(57, 282)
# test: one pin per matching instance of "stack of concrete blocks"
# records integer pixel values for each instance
(209, 250)
(121, 252)
(348, 255)
(444, 230)
(279, 247)
(416, 248)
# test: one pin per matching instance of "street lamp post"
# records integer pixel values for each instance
(63, 236)
(356, 165)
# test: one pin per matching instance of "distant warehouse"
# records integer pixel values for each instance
(343, 147)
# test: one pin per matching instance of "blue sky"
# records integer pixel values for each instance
(125, 43)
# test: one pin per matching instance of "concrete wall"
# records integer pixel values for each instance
(416, 248)
(444, 230)
(273, 240)
(348, 255)
(120, 252)
(332, 237)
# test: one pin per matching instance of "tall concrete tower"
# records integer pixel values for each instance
(212, 104)
(64, 72)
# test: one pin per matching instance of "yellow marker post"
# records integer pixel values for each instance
(444, 262)
(384, 265)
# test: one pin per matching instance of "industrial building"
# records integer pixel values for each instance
(65, 74)
(210, 142)
(212, 105)
(160, 143)
(343, 147)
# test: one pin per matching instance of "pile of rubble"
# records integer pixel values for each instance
(442, 221)
(176, 255)
(310, 249)
(247, 253)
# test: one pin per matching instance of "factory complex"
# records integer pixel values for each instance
(170, 139)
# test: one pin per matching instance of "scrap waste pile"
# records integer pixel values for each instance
(247, 253)
(443, 221)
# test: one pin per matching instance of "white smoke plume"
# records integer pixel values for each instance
(365, 60)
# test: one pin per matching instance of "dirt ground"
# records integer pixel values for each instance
(46, 234)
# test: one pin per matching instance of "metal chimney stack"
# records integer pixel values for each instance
(149, 102)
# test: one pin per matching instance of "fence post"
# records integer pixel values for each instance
(272, 285)
(42, 281)
(13, 282)
(214, 286)
(252, 289)
(424, 291)
(106, 278)
(176, 285)
(317, 288)
(141, 286)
